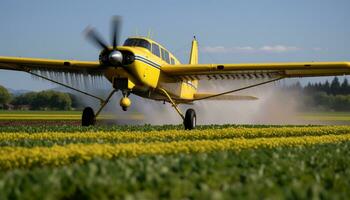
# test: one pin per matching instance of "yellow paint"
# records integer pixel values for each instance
(125, 102)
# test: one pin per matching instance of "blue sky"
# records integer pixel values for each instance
(228, 31)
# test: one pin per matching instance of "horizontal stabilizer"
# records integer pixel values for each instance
(207, 96)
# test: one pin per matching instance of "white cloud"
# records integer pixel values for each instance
(249, 49)
(278, 49)
(216, 49)
(317, 49)
(221, 49)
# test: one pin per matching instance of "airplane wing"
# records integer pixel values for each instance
(256, 70)
(38, 64)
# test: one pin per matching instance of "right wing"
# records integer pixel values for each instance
(256, 70)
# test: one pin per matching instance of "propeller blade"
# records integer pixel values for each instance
(116, 30)
(95, 37)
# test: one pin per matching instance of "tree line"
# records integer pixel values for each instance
(333, 88)
(44, 100)
(327, 96)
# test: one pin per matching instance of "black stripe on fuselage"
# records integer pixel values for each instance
(149, 62)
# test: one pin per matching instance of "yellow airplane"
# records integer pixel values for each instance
(143, 67)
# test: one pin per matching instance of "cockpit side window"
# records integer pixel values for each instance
(172, 61)
(138, 43)
(129, 42)
(145, 44)
(155, 49)
(165, 55)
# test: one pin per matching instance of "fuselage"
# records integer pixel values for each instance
(144, 75)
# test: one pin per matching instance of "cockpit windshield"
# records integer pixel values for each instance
(133, 42)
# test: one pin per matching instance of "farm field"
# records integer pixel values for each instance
(326, 117)
(54, 118)
(166, 162)
(58, 115)
(8, 118)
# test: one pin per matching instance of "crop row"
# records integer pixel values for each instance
(101, 128)
(309, 172)
(61, 138)
(21, 157)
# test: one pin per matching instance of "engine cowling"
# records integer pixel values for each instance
(116, 58)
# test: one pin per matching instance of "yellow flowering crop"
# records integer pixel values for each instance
(14, 157)
(170, 135)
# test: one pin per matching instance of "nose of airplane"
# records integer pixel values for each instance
(115, 57)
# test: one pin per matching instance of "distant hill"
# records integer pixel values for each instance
(17, 92)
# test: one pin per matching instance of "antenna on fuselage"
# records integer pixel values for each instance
(149, 33)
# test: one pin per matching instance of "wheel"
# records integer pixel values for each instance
(190, 119)
(88, 117)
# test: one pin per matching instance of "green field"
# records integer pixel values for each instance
(61, 115)
(315, 172)
(165, 162)
(326, 116)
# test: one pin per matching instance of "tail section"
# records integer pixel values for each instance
(194, 52)
(194, 59)
(189, 87)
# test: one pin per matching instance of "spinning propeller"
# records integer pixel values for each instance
(110, 55)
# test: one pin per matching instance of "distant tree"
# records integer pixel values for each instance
(41, 100)
(44, 100)
(344, 88)
(297, 87)
(326, 87)
(60, 101)
(335, 86)
(309, 88)
(5, 96)
(76, 101)
(340, 103)
(321, 100)
(318, 87)
(24, 99)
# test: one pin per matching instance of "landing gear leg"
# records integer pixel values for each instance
(89, 118)
(189, 120)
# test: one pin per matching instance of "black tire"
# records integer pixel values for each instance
(88, 117)
(190, 119)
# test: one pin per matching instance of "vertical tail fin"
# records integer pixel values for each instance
(194, 52)
(194, 59)
(189, 87)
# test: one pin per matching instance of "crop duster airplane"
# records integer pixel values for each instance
(143, 67)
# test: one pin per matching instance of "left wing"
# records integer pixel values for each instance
(256, 70)
(30, 64)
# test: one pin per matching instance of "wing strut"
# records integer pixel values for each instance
(239, 89)
(67, 86)
(172, 103)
